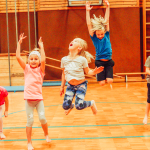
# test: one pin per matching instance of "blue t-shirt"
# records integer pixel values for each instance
(102, 47)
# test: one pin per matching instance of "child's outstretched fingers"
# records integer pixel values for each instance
(21, 37)
(40, 42)
(100, 69)
(106, 2)
(88, 8)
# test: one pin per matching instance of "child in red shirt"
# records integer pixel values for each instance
(3, 99)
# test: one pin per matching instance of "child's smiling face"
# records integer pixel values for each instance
(34, 61)
(100, 34)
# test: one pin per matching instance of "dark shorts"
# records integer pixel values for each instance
(108, 69)
(148, 93)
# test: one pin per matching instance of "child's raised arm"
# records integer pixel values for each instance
(88, 20)
(19, 59)
(42, 54)
(107, 14)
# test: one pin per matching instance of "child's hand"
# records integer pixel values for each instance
(21, 37)
(88, 8)
(61, 91)
(106, 2)
(40, 43)
(6, 113)
(98, 70)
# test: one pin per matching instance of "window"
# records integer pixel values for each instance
(82, 2)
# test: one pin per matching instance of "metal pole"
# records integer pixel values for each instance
(35, 25)
(29, 26)
(8, 42)
(16, 23)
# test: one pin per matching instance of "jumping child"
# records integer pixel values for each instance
(74, 66)
(99, 32)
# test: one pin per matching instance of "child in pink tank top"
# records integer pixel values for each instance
(34, 73)
(3, 99)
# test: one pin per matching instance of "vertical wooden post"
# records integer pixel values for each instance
(144, 32)
(35, 29)
(29, 26)
(16, 21)
(8, 42)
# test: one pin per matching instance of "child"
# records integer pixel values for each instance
(99, 32)
(74, 65)
(34, 72)
(147, 65)
(3, 99)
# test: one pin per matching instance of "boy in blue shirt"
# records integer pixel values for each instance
(99, 32)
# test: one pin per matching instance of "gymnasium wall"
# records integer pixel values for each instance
(59, 27)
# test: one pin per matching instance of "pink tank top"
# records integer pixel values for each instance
(33, 83)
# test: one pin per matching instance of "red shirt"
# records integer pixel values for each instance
(3, 94)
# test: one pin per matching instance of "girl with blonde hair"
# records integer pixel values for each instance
(99, 32)
(74, 66)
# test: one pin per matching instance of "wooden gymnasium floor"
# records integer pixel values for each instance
(117, 125)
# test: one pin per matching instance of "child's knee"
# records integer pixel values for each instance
(30, 123)
(80, 106)
(102, 83)
(67, 104)
(43, 120)
(109, 81)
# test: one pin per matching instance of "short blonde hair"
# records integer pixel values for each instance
(83, 45)
(98, 23)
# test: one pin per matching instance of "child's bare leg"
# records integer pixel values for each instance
(110, 81)
(45, 129)
(102, 83)
(146, 113)
(29, 132)
(93, 107)
(2, 136)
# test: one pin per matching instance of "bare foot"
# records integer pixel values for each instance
(2, 136)
(47, 139)
(145, 120)
(93, 107)
(69, 110)
(30, 147)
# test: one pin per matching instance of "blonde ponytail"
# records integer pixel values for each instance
(82, 52)
(88, 56)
